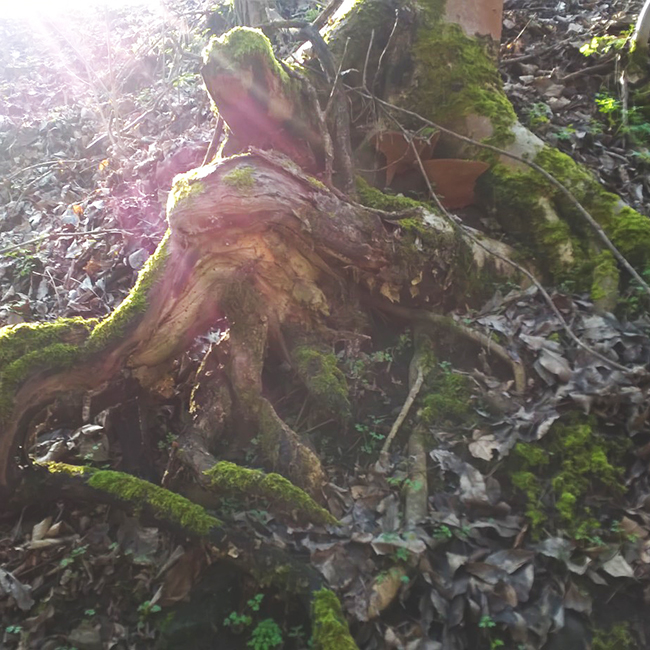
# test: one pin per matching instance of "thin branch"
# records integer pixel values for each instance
(365, 64)
(413, 393)
(214, 142)
(383, 52)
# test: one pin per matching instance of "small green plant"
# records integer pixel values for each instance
(236, 620)
(89, 612)
(260, 516)
(538, 115)
(603, 44)
(642, 156)
(26, 262)
(255, 602)
(266, 635)
(371, 438)
(311, 14)
(14, 629)
(615, 638)
(74, 554)
(297, 632)
(145, 610)
(486, 622)
(239, 621)
(443, 532)
(565, 133)
(404, 483)
(167, 442)
(635, 300)
(401, 554)
(185, 80)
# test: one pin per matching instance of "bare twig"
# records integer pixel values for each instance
(365, 64)
(383, 52)
(214, 142)
(413, 393)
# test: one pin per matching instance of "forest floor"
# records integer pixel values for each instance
(99, 110)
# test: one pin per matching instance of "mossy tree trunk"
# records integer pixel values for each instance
(440, 63)
(264, 240)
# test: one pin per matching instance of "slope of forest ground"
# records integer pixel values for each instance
(521, 548)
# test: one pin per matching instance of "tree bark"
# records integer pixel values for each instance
(268, 241)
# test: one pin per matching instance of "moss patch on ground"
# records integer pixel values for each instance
(573, 462)
(447, 400)
(277, 490)
(329, 628)
(617, 637)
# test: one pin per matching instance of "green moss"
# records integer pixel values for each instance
(165, 504)
(458, 76)
(371, 197)
(28, 348)
(448, 399)
(137, 492)
(280, 492)
(519, 198)
(320, 373)
(605, 277)
(241, 45)
(566, 506)
(17, 340)
(617, 637)
(531, 455)
(241, 177)
(184, 187)
(329, 628)
(55, 357)
(316, 184)
(576, 462)
(529, 484)
(628, 230)
(70, 470)
(135, 304)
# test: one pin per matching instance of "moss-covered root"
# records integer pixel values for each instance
(543, 218)
(329, 628)
(281, 493)
(319, 371)
(135, 493)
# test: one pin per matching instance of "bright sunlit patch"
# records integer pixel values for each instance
(41, 8)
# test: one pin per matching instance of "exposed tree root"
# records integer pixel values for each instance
(445, 322)
(268, 564)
